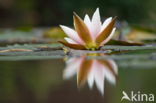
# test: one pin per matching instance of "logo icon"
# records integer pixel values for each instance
(125, 96)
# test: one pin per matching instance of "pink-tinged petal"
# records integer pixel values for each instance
(109, 64)
(99, 77)
(96, 23)
(72, 67)
(114, 66)
(91, 79)
(100, 83)
(69, 71)
(109, 75)
(88, 22)
(91, 74)
(72, 34)
(106, 32)
(83, 72)
(70, 40)
(82, 29)
(105, 24)
(109, 37)
(71, 60)
(73, 46)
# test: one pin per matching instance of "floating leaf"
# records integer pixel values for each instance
(124, 43)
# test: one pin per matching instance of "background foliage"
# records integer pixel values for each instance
(15, 13)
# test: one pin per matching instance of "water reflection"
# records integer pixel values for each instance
(91, 71)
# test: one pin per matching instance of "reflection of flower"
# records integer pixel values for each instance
(89, 34)
(91, 70)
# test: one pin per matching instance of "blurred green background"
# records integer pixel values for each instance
(15, 13)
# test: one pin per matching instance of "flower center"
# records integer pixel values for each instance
(92, 46)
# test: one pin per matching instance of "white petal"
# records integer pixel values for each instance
(109, 37)
(91, 80)
(99, 77)
(99, 83)
(109, 75)
(88, 22)
(91, 75)
(72, 34)
(105, 24)
(114, 66)
(69, 72)
(72, 67)
(96, 23)
(70, 40)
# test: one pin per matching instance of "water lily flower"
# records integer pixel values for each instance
(92, 71)
(89, 34)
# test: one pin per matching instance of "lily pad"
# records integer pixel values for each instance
(52, 51)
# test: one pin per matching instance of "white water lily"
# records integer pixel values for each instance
(89, 34)
(92, 71)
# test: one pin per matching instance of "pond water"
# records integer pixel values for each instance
(77, 79)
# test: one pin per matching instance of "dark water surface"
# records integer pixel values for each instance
(75, 80)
